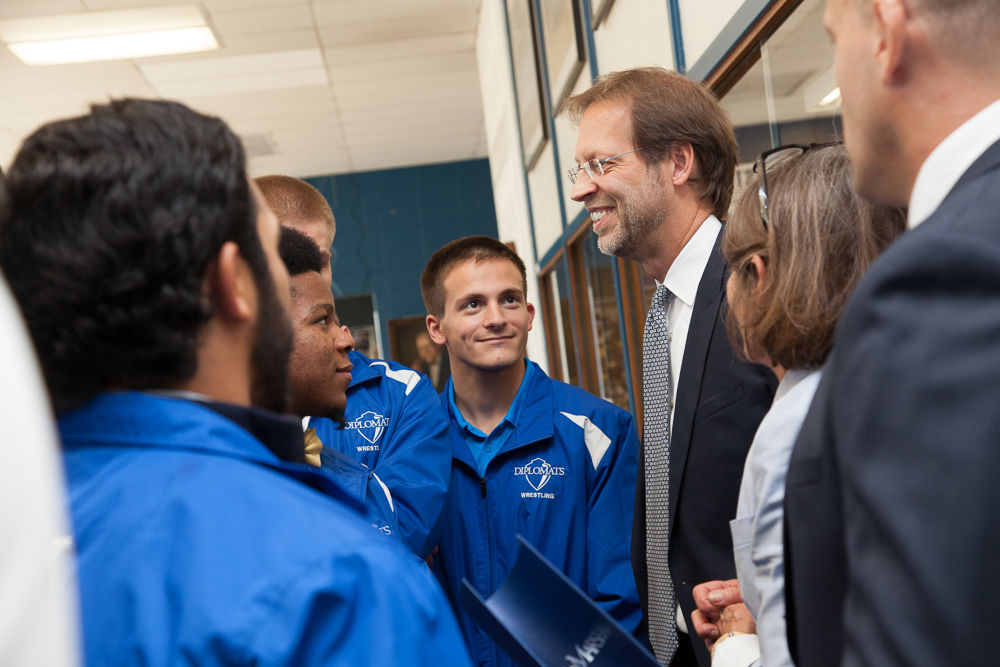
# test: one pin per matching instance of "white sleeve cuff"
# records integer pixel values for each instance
(738, 651)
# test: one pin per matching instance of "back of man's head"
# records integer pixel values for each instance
(296, 202)
(108, 223)
(667, 108)
(965, 31)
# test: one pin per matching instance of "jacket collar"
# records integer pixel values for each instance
(362, 371)
(138, 420)
(534, 422)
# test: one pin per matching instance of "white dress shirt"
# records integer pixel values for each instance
(38, 599)
(682, 279)
(949, 160)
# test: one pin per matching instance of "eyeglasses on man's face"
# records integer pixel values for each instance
(595, 166)
(768, 159)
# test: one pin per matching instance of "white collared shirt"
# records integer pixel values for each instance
(682, 279)
(949, 160)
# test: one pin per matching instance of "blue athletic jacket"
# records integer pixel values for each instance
(397, 428)
(197, 545)
(565, 480)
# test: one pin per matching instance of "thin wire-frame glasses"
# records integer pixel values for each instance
(595, 166)
(770, 158)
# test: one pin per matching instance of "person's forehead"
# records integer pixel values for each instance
(604, 126)
(486, 275)
(310, 290)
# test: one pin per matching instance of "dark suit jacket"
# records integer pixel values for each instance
(892, 532)
(720, 402)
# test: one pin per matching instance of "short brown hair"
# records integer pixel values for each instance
(668, 108)
(450, 255)
(293, 200)
(965, 30)
(821, 239)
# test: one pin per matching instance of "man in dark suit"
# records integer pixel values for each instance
(657, 155)
(892, 534)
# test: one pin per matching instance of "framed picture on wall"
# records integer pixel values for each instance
(403, 334)
(527, 79)
(565, 52)
(598, 11)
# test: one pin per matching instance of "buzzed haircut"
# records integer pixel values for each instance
(667, 109)
(299, 252)
(448, 256)
(293, 200)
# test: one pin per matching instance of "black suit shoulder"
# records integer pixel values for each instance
(890, 507)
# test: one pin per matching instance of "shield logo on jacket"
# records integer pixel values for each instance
(371, 426)
(538, 473)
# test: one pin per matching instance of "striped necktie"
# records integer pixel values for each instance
(656, 455)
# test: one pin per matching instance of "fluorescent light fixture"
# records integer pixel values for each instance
(822, 94)
(831, 97)
(108, 35)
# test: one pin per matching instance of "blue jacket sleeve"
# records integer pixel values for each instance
(384, 609)
(415, 463)
(610, 505)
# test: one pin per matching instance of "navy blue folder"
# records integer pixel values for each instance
(541, 618)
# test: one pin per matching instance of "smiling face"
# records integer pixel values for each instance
(486, 320)
(319, 371)
(631, 199)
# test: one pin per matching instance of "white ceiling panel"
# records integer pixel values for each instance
(400, 49)
(432, 23)
(229, 5)
(265, 19)
(389, 69)
(342, 12)
(330, 86)
(12, 9)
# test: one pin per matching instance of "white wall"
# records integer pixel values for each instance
(634, 33)
(506, 170)
(701, 22)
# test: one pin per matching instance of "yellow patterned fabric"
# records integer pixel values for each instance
(313, 447)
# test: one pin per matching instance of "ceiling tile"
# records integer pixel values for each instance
(390, 83)
(261, 20)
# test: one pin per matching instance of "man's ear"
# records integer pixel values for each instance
(434, 329)
(531, 314)
(891, 23)
(682, 156)
(231, 284)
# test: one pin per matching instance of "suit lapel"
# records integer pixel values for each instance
(704, 318)
(985, 162)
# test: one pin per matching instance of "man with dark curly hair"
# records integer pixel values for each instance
(147, 268)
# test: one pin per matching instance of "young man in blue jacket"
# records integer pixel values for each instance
(393, 422)
(319, 372)
(147, 269)
(531, 456)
